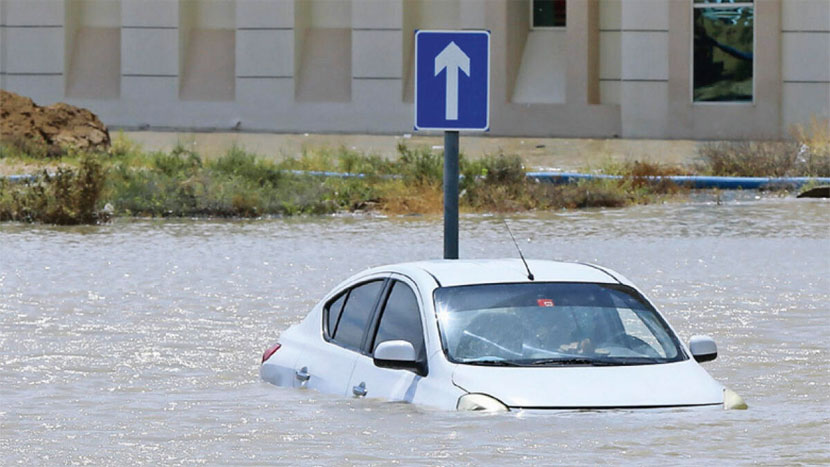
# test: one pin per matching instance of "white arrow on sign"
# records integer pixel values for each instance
(452, 58)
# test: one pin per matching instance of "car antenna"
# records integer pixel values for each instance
(529, 274)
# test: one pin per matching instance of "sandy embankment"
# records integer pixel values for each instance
(62, 125)
(538, 153)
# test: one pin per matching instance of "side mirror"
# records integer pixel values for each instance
(398, 355)
(703, 348)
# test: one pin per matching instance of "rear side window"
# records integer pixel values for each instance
(333, 313)
(401, 319)
(360, 302)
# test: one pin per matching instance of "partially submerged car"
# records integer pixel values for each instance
(495, 335)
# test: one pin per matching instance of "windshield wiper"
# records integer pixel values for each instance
(491, 362)
(572, 361)
(639, 361)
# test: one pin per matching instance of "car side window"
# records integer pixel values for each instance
(401, 319)
(356, 313)
(333, 310)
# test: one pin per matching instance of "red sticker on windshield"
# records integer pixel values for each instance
(545, 302)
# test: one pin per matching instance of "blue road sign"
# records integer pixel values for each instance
(452, 80)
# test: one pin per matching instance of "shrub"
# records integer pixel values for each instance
(368, 164)
(749, 159)
(815, 135)
(175, 163)
(67, 197)
(239, 183)
(27, 148)
(499, 183)
(351, 193)
(420, 166)
(814, 150)
(321, 160)
(123, 147)
(591, 194)
(501, 169)
(239, 163)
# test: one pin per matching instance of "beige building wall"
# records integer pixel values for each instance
(92, 45)
(610, 51)
(576, 112)
(644, 38)
(805, 61)
(619, 68)
(32, 48)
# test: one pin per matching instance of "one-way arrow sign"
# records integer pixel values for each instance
(452, 59)
(452, 80)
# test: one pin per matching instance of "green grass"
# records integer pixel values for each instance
(237, 184)
(89, 188)
(129, 181)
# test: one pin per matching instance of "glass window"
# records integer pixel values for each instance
(552, 324)
(723, 51)
(638, 334)
(358, 309)
(548, 13)
(401, 319)
(333, 314)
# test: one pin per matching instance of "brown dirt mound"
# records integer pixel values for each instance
(54, 128)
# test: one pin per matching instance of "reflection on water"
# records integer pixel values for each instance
(140, 341)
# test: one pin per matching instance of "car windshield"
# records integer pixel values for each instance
(552, 324)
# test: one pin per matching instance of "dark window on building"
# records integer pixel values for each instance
(724, 35)
(401, 319)
(355, 316)
(548, 13)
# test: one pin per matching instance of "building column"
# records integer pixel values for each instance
(805, 62)
(582, 84)
(265, 60)
(377, 53)
(149, 62)
(644, 70)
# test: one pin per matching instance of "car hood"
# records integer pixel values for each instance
(676, 384)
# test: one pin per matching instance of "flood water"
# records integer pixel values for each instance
(140, 341)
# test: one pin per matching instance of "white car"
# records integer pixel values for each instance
(495, 335)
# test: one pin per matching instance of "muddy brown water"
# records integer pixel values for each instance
(139, 341)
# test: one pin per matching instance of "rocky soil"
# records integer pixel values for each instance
(52, 129)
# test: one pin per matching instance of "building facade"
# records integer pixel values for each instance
(697, 69)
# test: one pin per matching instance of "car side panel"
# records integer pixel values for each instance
(387, 383)
(436, 389)
(384, 383)
(328, 367)
(279, 369)
(305, 351)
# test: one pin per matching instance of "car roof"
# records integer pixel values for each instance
(454, 272)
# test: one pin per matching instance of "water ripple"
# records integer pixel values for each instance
(138, 341)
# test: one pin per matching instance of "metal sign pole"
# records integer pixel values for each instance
(452, 94)
(450, 195)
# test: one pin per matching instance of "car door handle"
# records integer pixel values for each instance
(360, 389)
(302, 374)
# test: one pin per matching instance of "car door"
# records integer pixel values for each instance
(327, 367)
(399, 317)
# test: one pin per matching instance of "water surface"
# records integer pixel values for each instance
(139, 341)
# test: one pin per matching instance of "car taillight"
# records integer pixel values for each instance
(270, 351)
